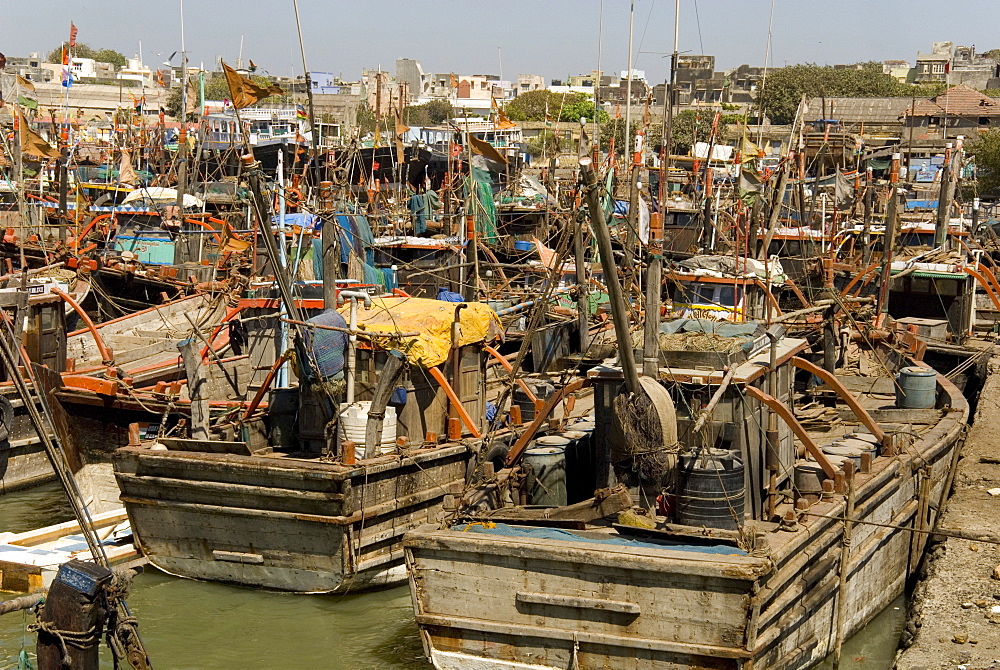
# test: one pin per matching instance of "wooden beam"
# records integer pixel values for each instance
(788, 417)
(540, 417)
(863, 416)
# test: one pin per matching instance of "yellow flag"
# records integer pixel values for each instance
(31, 142)
(484, 148)
(401, 128)
(24, 83)
(234, 245)
(246, 92)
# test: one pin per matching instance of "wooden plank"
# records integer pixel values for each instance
(619, 641)
(576, 602)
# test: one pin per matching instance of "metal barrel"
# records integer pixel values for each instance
(547, 461)
(711, 491)
(916, 388)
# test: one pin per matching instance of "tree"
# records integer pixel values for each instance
(992, 53)
(985, 151)
(690, 126)
(532, 106)
(545, 143)
(779, 97)
(364, 119)
(84, 51)
(428, 114)
(582, 109)
(110, 56)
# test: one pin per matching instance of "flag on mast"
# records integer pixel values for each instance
(31, 142)
(245, 91)
(72, 34)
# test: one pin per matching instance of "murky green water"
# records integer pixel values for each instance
(189, 625)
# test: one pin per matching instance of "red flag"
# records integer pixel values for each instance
(947, 67)
(72, 34)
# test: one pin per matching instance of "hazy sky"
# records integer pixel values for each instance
(553, 38)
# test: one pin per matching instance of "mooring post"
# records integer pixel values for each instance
(71, 620)
(845, 555)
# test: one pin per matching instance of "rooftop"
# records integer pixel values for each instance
(957, 101)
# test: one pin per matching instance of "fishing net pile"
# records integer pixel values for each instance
(644, 442)
(694, 341)
(326, 351)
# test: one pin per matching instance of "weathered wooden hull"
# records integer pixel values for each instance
(23, 461)
(484, 601)
(281, 523)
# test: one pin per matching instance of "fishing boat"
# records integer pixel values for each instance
(36, 317)
(272, 501)
(270, 131)
(745, 562)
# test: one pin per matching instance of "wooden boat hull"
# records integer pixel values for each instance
(23, 462)
(492, 602)
(282, 523)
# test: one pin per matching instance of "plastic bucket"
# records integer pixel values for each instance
(354, 422)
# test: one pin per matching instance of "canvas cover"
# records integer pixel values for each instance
(431, 320)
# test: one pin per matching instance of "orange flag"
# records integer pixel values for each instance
(245, 91)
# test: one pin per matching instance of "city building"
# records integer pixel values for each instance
(949, 64)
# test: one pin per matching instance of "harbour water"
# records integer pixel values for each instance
(190, 625)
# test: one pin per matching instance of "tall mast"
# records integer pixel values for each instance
(184, 241)
(628, 85)
(633, 172)
(651, 326)
(313, 127)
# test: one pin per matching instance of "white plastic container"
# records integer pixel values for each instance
(353, 422)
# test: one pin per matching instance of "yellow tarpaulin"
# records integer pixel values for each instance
(432, 320)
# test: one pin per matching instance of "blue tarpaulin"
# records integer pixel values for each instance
(569, 536)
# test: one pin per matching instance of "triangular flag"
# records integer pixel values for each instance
(503, 121)
(246, 92)
(126, 175)
(24, 83)
(32, 143)
(30, 103)
(484, 148)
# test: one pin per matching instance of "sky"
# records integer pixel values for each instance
(553, 38)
